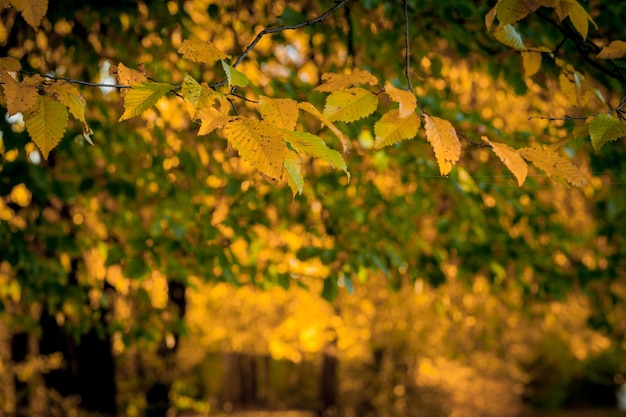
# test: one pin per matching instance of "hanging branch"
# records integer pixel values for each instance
(407, 55)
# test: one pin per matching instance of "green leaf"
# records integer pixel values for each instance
(196, 96)
(312, 145)
(605, 128)
(141, 97)
(294, 175)
(235, 77)
(331, 289)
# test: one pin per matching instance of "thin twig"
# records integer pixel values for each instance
(558, 118)
(69, 80)
(244, 98)
(407, 56)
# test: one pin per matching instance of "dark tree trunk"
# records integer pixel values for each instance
(329, 383)
(19, 350)
(157, 396)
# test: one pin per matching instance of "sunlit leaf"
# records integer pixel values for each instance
(511, 158)
(234, 76)
(391, 128)
(406, 99)
(614, 50)
(143, 96)
(580, 18)
(442, 137)
(510, 11)
(531, 62)
(294, 175)
(127, 76)
(281, 112)
(554, 165)
(350, 105)
(196, 95)
(259, 143)
(509, 36)
(9, 64)
(200, 51)
(312, 145)
(70, 97)
(46, 124)
(605, 128)
(333, 82)
(20, 97)
(312, 110)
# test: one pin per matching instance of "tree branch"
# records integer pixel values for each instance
(69, 80)
(407, 55)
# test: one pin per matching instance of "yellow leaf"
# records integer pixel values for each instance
(196, 95)
(70, 97)
(391, 128)
(309, 108)
(406, 99)
(20, 97)
(350, 105)
(510, 11)
(509, 36)
(200, 51)
(32, 10)
(333, 82)
(511, 158)
(491, 16)
(4, 4)
(579, 18)
(214, 117)
(554, 165)
(312, 145)
(10, 64)
(570, 90)
(280, 112)
(127, 76)
(234, 76)
(141, 97)
(46, 124)
(442, 137)
(614, 50)
(531, 62)
(258, 143)
(294, 175)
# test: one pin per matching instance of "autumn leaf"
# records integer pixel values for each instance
(554, 165)
(20, 97)
(214, 117)
(614, 50)
(313, 145)
(293, 170)
(391, 128)
(333, 82)
(127, 76)
(350, 105)
(605, 128)
(234, 76)
(32, 11)
(509, 36)
(199, 51)
(46, 124)
(579, 18)
(9, 64)
(531, 62)
(406, 99)
(258, 143)
(442, 137)
(511, 158)
(196, 95)
(280, 112)
(70, 97)
(141, 97)
(309, 108)
(510, 11)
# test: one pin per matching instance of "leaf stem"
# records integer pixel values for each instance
(407, 55)
(69, 80)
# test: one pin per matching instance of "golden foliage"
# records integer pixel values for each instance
(334, 82)
(442, 137)
(200, 51)
(46, 124)
(554, 165)
(350, 104)
(511, 158)
(393, 128)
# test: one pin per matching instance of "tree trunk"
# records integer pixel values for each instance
(329, 382)
(19, 351)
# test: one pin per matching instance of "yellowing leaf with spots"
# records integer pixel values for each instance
(333, 82)
(143, 96)
(293, 170)
(554, 165)
(196, 95)
(442, 137)
(391, 128)
(350, 105)
(511, 158)
(280, 112)
(70, 97)
(46, 124)
(234, 76)
(200, 51)
(312, 145)
(614, 50)
(406, 99)
(32, 10)
(309, 108)
(20, 97)
(127, 76)
(258, 143)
